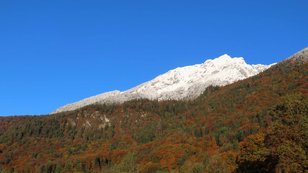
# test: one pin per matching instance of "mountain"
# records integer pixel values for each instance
(181, 83)
(255, 125)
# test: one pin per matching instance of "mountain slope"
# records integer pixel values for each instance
(226, 129)
(181, 83)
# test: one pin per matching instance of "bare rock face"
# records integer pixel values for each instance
(181, 83)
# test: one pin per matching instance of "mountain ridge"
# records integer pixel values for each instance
(181, 83)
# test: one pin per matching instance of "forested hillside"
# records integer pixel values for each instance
(259, 124)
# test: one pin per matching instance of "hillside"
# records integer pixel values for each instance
(254, 125)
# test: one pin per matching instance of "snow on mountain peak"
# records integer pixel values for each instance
(225, 60)
(224, 57)
(221, 58)
(181, 83)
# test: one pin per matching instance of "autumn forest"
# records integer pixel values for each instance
(256, 125)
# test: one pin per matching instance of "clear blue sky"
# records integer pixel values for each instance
(60, 51)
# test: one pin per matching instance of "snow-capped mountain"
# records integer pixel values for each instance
(181, 83)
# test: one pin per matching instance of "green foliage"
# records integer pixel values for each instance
(182, 159)
(162, 171)
(196, 168)
(216, 164)
(146, 134)
(127, 164)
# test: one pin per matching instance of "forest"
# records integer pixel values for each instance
(256, 125)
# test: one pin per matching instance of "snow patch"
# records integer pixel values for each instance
(181, 83)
